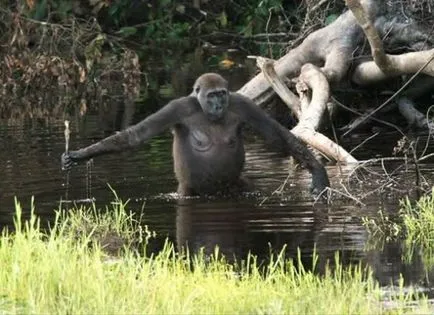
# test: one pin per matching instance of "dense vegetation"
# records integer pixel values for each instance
(140, 50)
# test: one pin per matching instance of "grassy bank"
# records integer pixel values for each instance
(413, 225)
(65, 270)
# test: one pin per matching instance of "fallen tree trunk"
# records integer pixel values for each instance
(330, 48)
(330, 52)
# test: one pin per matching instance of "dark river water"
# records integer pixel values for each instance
(264, 220)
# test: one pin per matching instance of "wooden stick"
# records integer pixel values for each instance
(67, 133)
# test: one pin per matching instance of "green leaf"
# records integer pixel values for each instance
(127, 31)
(223, 19)
(248, 30)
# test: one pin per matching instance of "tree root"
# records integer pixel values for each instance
(309, 111)
(370, 72)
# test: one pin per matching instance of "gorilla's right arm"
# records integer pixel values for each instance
(282, 139)
(135, 135)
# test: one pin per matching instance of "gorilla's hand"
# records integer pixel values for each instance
(68, 159)
(320, 181)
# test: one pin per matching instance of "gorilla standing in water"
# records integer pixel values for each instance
(208, 149)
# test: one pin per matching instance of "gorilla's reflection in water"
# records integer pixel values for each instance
(238, 227)
(202, 224)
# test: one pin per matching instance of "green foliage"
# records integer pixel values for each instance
(418, 221)
(127, 31)
(414, 224)
(40, 10)
(157, 24)
(118, 11)
(253, 15)
(383, 227)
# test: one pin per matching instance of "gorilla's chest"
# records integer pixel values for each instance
(207, 153)
(203, 135)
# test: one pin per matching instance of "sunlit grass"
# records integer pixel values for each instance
(113, 228)
(418, 221)
(65, 271)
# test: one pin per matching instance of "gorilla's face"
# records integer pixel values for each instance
(212, 93)
(214, 103)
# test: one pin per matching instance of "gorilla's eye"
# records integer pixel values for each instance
(197, 89)
(219, 94)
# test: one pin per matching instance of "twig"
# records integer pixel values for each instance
(360, 114)
(425, 157)
(364, 141)
(316, 6)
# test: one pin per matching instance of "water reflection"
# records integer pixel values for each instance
(257, 222)
(207, 225)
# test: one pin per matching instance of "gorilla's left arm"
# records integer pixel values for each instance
(281, 138)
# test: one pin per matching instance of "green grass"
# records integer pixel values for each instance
(418, 222)
(413, 225)
(65, 270)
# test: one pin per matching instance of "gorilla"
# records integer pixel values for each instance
(208, 148)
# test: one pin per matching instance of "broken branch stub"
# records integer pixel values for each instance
(323, 144)
(289, 98)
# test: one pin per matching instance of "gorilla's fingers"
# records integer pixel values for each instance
(66, 162)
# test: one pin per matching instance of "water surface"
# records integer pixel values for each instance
(264, 220)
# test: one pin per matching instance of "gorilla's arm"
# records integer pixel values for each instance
(135, 135)
(281, 138)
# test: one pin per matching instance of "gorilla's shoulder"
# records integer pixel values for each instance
(188, 102)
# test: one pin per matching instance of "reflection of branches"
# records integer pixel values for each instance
(277, 191)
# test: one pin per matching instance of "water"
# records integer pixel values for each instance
(257, 222)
